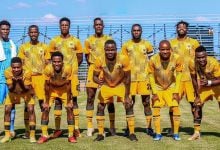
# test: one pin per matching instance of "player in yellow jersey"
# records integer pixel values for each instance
(115, 81)
(165, 71)
(94, 48)
(71, 48)
(33, 55)
(139, 51)
(19, 85)
(185, 47)
(57, 86)
(205, 72)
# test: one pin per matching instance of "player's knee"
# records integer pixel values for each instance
(31, 109)
(129, 110)
(7, 110)
(100, 109)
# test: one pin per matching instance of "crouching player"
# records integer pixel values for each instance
(57, 86)
(115, 81)
(165, 71)
(205, 73)
(19, 85)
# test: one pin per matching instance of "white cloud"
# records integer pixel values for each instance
(47, 3)
(49, 18)
(20, 5)
(202, 19)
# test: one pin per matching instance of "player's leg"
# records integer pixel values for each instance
(111, 111)
(76, 117)
(57, 117)
(176, 122)
(70, 122)
(32, 122)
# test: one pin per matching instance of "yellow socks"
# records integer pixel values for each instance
(130, 121)
(156, 118)
(76, 118)
(89, 115)
(100, 124)
(57, 116)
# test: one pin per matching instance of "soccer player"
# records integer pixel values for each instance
(114, 81)
(139, 51)
(165, 71)
(205, 72)
(33, 55)
(57, 86)
(8, 50)
(19, 85)
(71, 48)
(94, 48)
(184, 46)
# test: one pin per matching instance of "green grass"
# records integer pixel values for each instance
(210, 130)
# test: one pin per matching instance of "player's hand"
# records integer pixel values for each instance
(46, 106)
(154, 99)
(197, 101)
(128, 102)
(203, 82)
(101, 81)
(176, 97)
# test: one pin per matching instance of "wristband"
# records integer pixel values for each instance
(209, 83)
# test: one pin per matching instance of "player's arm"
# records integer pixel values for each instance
(79, 58)
(127, 83)
(12, 85)
(68, 88)
(47, 91)
(24, 87)
(87, 50)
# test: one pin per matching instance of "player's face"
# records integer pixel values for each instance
(110, 51)
(181, 30)
(57, 63)
(33, 33)
(98, 26)
(4, 31)
(201, 58)
(136, 32)
(165, 50)
(16, 69)
(64, 27)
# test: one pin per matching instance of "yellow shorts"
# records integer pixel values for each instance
(90, 82)
(106, 93)
(38, 85)
(140, 87)
(61, 94)
(186, 88)
(165, 98)
(13, 98)
(208, 93)
(75, 86)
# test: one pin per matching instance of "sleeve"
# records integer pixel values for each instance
(216, 68)
(126, 63)
(124, 49)
(27, 78)
(98, 65)
(87, 46)
(47, 72)
(46, 53)
(8, 76)
(51, 46)
(149, 47)
(21, 52)
(151, 76)
(78, 46)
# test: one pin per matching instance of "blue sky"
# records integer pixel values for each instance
(81, 10)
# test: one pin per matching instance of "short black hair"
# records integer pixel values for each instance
(33, 26)
(136, 24)
(200, 49)
(65, 19)
(5, 22)
(57, 53)
(182, 22)
(110, 42)
(98, 18)
(16, 60)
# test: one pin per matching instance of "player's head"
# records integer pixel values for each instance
(201, 56)
(182, 28)
(165, 50)
(16, 66)
(4, 29)
(33, 32)
(98, 25)
(110, 50)
(136, 31)
(57, 61)
(64, 25)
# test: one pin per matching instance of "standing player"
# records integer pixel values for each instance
(139, 50)
(71, 48)
(165, 71)
(205, 72)
(19, 85)
(57, 86)
(8, 50)
(184, 46)
(33, 54)
(114, 82)
(94, 48)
